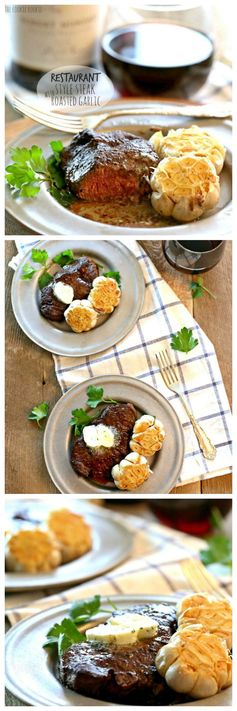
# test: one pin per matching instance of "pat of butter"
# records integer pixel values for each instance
(142, 624)
(124, 629)
(63, 292)
(98, 436)
(112, 634)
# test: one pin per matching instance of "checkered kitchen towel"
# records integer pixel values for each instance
(163, 314)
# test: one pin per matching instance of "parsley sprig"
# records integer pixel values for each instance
(80, 418)
(30, 169)
(219, 548)
(40, 256)
(95, 396)
(113, 275)
(39, 412)
(198, 289)
(183, 340)
(62, 635)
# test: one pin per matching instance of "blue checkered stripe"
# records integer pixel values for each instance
(162, 315)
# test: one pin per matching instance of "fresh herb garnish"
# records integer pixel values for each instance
(30, 169)
(219, 544)
(198, 289)
(183, 340)
(81, 611)
(39, 412)
(219, 550)
(62, 635)
(44, 280)
(113, 275)
(80, 418)
(95, 396)
(40, 256)
(64, 258)
(57, 148)
(27, 271)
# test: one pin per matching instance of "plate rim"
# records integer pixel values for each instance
(122, 557)
(173, 599)
(138, 305)
(110, 378)
(94, 228)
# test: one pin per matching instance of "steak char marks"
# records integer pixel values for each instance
(100, 167)
(80, 276)
(97, 463)
(122, 674)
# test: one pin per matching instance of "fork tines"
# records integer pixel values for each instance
(167, 368)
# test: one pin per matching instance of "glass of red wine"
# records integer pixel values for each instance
(193, 256)
(157, 58)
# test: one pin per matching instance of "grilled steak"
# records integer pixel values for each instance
(83, 267)
(79, 275)
(108, 166)
(125, 674)
(97, 463)
(50, 307)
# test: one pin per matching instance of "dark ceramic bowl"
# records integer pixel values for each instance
(157, 58)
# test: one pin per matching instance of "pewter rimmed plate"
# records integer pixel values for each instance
(29, 673)
(165, 465)
(46, 217)
(54, 337)
(111, 545)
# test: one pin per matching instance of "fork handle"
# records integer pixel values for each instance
(194, 111)
(206, 446)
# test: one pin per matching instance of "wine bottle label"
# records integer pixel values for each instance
(43, 35)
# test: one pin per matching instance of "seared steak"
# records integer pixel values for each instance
(108, 166)
(83, 267)
(97, 463)
(79, 275)
(50, 307)
(125, 674)
(80, 287)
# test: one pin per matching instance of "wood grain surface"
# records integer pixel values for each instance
(30, 376)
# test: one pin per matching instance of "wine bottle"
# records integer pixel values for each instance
(44, 37)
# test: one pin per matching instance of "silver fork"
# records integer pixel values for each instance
(74, 124)
(171, 379)
(201, 579)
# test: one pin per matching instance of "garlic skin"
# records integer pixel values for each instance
(32, 551)
(184, 188)
(195, 662)
(104, 295)
(72, 532)
(148, 436)
(131, 472)
(80, 316)
(213, 614)
(183, 141)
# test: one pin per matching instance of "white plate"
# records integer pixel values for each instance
(29, 674)
(53, 336)
(45, 216)
(111, 545)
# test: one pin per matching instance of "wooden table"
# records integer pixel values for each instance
(30, 376)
